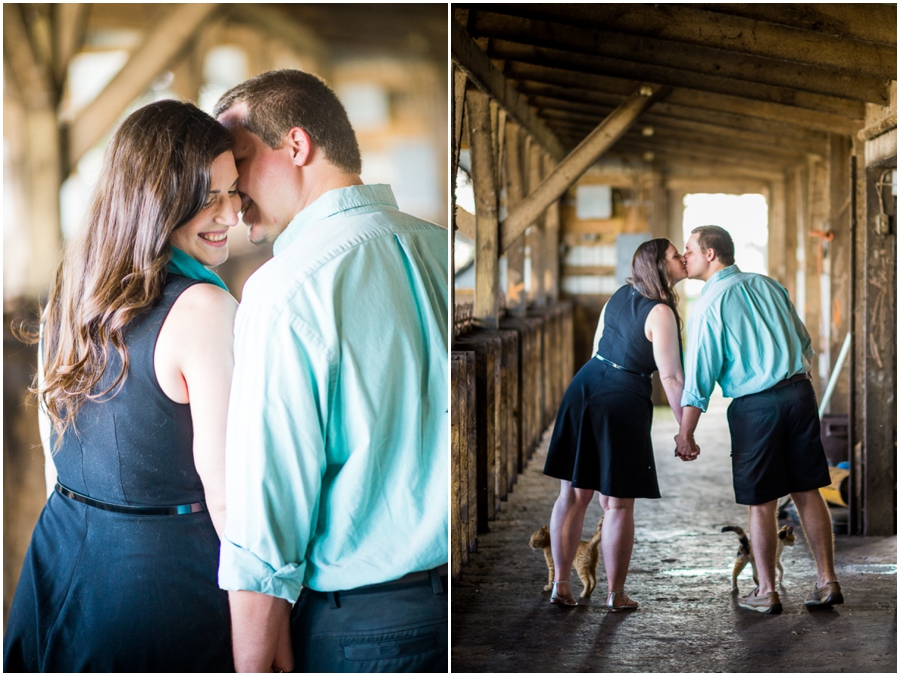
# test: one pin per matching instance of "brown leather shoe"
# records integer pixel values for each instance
(770, 604)
(829, 595)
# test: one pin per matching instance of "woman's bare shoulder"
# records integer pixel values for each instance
(202, 302)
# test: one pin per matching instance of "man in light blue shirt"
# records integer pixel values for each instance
(337, 442)
(744, 333)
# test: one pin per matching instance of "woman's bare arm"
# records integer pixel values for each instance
(194, 362)
(662, 330)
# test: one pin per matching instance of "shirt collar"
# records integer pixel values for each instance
(332, 203)
(722, 274)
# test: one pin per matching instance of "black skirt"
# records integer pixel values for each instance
(601, 440)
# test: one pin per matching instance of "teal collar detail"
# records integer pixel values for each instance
(184, 265)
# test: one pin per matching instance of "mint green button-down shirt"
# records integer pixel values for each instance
(744, 333)
(337, 466)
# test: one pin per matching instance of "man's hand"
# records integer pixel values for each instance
(686, 448)
(260, 632)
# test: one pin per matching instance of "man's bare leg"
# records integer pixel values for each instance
(816, 521)
(763, 536)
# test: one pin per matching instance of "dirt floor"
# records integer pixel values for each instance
(680, 574)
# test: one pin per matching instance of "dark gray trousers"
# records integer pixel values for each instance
(393, 628)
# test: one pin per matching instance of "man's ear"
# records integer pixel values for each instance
(297, 141)
(710, 254)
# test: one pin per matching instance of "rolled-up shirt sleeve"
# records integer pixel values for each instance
(703, 360)
(275, 452)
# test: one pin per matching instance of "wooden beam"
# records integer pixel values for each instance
(31, 76)
(714, 84)
(69, 24)
(278, 24)
(540, 93)
(468, 56)
(870, 22)
(487, 269)
(709, 182)
(687, 26)
(724, 167)
(162, 44)
(577, 162)
(812, 142)
(642, 58)
(697, 99)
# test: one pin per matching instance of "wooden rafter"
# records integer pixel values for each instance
(161, 45)
(692, 27)
(577, 162)
(470, 58)
(648, 59)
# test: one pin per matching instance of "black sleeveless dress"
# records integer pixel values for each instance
(601, 440)
(106, 591)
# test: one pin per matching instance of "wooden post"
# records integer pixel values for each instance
(459, 107)
(840, 186)
(515, 256)
(816, 214)
(878, 315)
(776, 248)
(536, 232)
(487, 277)
(577, 162)
(802, 193)
(790, 236)
(551, 242)
(458, 100)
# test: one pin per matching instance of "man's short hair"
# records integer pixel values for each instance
(716, 238)
(279, 100)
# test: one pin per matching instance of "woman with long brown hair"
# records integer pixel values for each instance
(601, 440)
(137, 353)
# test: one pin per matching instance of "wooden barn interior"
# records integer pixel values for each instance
(72, 72)
(580, 130)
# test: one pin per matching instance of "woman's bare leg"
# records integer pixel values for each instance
(617, 539)
(566, 523)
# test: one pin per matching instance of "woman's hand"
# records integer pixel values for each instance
(686, 448)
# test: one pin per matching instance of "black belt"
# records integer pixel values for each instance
(622, 368)
(130, 509)
(799, 378)
(438, 586)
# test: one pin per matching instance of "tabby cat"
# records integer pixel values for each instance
(586, 558)
(745, 553)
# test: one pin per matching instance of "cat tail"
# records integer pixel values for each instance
(742, 536)
(596, 536)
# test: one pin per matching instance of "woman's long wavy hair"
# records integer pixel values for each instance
(155, 178)
(650, 276)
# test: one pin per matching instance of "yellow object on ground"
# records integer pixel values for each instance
(832, 492)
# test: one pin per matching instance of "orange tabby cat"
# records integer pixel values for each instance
(745, 553)
(586, 558)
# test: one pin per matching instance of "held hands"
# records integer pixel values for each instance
(686, 448)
